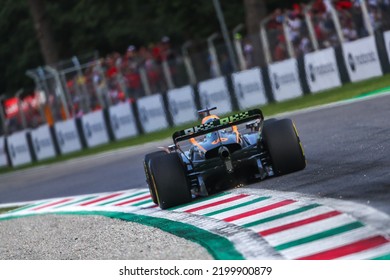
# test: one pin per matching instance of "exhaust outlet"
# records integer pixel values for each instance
(224, 154)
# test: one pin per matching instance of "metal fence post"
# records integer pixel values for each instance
(2, 115)
(81, 80)
(188, 63)
(67, 93)
(290, 48)
(20, 109)
(100, 70)
(144, 81)
(214, 64)
(167, 74)
(310, 27)
(366, 17)
(225, 34)
(264, 41)
(336, 22)
(121, 83)
(60, 90)
(35, 77)
(238, 47)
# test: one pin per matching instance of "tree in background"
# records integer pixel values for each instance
(76, 27)
(43, 31)
(255, 11)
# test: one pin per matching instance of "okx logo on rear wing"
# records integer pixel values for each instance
(222, 123)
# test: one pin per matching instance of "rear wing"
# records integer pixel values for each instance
(222, 123)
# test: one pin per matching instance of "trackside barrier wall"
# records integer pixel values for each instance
(151, 113)
(67, 136)
(215, 92)
(362, 60)
(321, 70)
(285, 81)
(181, 103)
(42, 142)
(249, 88)
(94, 129)
(352, 61)
(3, 155)
(18, 148)
(122, 121)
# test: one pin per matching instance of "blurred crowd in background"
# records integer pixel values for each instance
(159, 66)
(349, 14)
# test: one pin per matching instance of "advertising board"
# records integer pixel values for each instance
(284, 77)
(18, 148)
(361, 58)
(94, 128)
(67, 136)
(321, 70)
(215, 93)
(122, 121)
(42, 142)
(152, 113)
(249, 88)
(182, 105)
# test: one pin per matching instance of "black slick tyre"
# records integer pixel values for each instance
(284, 146)
(169, 181)
(147, 159)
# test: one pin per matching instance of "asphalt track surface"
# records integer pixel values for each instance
(347, 149)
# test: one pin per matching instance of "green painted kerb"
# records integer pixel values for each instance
(219, 247)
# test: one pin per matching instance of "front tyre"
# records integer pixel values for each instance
(169, 181)
(284, 146)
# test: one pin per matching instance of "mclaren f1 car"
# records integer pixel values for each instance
(222, 153)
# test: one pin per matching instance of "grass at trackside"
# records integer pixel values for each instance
(347, 91)
(4, 210)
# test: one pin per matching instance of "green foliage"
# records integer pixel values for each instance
(19, 49)
(84, 26)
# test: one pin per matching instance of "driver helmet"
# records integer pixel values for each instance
(209, 119)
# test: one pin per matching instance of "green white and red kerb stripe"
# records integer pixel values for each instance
(294, 228)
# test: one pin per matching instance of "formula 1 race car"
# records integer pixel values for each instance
(222, 153)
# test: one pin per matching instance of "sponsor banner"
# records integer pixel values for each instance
(67, 136)
(215, 93)
(94, 129)
(122, 121)
(42, 142)
(284, 78)
(151, 113)
(249, 88)
(3, 155)
(386, 36)
(182, 105)
(19, 151)
(321, 70)
(361, 58)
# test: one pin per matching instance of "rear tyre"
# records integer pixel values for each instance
(169, 181)
(147, 160)
(284, 146)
